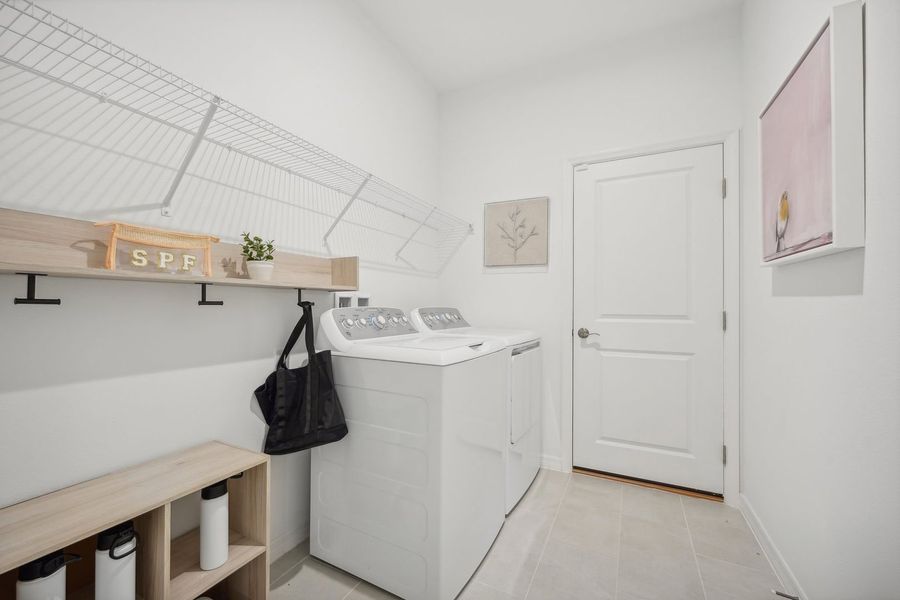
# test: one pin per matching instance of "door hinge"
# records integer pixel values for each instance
(724, 321)
(724, 188)
(724, 454)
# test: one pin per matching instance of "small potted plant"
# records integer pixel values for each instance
(259, 257)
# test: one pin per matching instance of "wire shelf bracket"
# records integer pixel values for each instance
(414, 233)
(345, 209)
(189, 156)
(91, 130)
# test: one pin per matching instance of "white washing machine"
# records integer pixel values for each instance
(413, 497)
(522, 454)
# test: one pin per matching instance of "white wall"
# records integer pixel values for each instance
(821, 340)
(509, 139)
(124, 372)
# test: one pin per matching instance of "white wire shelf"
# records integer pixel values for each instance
(91, 130)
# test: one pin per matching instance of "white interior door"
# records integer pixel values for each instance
(649, 381)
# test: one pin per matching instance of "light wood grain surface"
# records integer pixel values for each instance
(33, 528)
(66, 247)
(190, 581)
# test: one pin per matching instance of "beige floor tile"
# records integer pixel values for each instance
(511, 562)
(587, 530)
(592, 494)
(367, 591)
(591, 482)
(720, 531)
(727, 581)
(568, 572)
(733, 544)
(654, 575)
(479, 591)
(313, 580)
(656, 561)
(582, 538)
(662, 508)
(706, 512)
(288, 561)
(650, 537)
(545, 492)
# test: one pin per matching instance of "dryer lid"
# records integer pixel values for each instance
(438, 350)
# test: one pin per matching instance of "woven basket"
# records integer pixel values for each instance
(159, 238)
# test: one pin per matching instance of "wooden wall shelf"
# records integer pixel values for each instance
(63, 247)
(167, 569)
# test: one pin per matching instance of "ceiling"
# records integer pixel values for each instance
(457, 43)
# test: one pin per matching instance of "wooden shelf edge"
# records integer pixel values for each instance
(189, 581)
(87, 593)
(20, 543)
(65, 247)
(91, 273)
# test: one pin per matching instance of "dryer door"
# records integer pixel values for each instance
(525, 390)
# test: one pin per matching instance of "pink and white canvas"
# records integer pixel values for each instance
(797, 158)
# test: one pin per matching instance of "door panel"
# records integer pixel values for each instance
(660, 287)
(649, 283)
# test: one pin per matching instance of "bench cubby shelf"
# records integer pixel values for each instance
(167, 569)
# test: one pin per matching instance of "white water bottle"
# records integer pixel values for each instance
(44, 578)
(115, 563)
(214, 525)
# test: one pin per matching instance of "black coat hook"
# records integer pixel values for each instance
(203, 301)
(30, 293)
(300, 298)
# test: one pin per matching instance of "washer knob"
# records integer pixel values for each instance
(360, 322)
(404, 320)
(347, 323)
(379, 322)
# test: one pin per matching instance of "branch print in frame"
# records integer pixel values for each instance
(515, 232)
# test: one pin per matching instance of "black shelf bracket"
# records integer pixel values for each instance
(300, 298)
(30, 294)
(203, 301)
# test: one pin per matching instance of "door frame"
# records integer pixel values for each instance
(730, 141)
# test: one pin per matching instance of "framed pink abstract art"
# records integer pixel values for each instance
(812, 160)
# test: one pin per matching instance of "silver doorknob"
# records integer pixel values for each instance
(583, 333)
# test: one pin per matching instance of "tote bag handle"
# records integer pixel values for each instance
(305, 320)
(312, 371)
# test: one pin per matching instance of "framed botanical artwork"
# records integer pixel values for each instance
(515, 232)
(812, 161)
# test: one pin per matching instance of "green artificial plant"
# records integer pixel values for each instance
(254, 248)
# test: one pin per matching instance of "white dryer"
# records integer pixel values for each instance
(522, 453)
(412, 498)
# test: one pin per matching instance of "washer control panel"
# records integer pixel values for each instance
(441, 317)
(365, 322)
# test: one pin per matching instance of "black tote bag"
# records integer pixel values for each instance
(301, 405)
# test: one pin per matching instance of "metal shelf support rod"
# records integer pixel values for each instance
(346, 208)
(413, 234)
(189, 155)
(30, 297)
(203, 301)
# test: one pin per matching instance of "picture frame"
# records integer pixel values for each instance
(516, 232)
(812, 148)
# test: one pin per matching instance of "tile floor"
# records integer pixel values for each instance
(575, 537)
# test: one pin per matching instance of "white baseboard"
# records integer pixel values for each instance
(287, 541)
(554, 463)
(776, 559)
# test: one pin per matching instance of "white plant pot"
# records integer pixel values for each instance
(260, 270)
